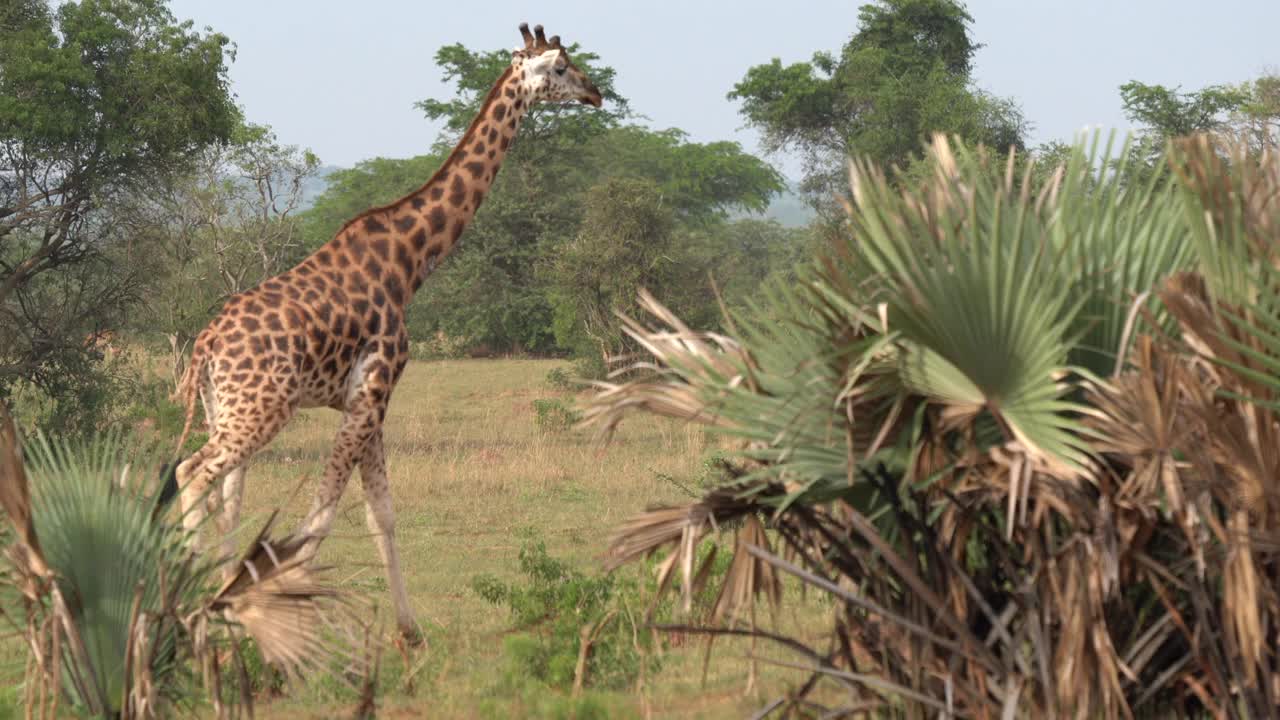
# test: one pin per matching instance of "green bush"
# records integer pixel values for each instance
(554, 607)
(263, 678)
(555, 415)
(76, 406)
(590, 366)
(560, 379)
(10, 703)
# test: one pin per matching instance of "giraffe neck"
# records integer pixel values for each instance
(407, 239)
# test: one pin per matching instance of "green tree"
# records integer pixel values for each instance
(98, 100)
(742, 256)
(626, 241)
(1168, 113)
(1258, 118)
(904, 75)
(698, 181)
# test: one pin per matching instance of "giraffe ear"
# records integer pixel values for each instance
(518, 56)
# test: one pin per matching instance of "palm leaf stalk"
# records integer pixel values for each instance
(1024, 435)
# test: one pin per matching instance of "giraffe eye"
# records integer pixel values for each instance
(560, 70)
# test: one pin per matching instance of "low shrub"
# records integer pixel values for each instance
(555, 415)
(560, 379)
(151, 415)
(565, 616)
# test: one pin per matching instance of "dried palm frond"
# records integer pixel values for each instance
(684, 527)
(703, 358)
(282, 601)
(15, 498)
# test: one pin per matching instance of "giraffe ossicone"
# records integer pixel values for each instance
(330, 331)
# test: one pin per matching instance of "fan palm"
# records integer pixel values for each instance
(120, 618)
(1024, 433)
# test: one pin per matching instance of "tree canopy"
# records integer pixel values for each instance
(1168, 112)
(906, 73)
(98, 100)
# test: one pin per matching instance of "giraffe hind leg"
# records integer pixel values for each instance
(225, 455)
(381, 519)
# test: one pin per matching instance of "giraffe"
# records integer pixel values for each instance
(330, 331)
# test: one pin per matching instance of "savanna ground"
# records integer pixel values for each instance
(474, 478)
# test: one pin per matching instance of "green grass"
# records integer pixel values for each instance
(474, 477)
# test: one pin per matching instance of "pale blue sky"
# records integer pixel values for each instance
(342, 77)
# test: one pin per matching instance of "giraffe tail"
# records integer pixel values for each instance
(187, 391)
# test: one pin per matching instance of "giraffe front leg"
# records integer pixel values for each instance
(381, 518)
(366, 404)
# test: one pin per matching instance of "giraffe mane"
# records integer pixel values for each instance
(453, 155)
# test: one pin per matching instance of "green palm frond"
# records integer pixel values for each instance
(976, 292)
(1122, 235)
(117, 608)
(104, 549)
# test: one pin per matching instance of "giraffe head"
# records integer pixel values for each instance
(549, 74)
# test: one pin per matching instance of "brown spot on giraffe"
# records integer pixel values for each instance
(329, 332)
(436, 220)
(457, 191)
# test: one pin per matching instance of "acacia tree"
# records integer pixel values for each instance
(1248, 110)
(252, 190)
(905, 74)
(1258, 119)
(98, 100)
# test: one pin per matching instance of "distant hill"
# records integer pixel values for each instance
(788, 209)
(315, 185)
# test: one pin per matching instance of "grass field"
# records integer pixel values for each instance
(473, 478)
